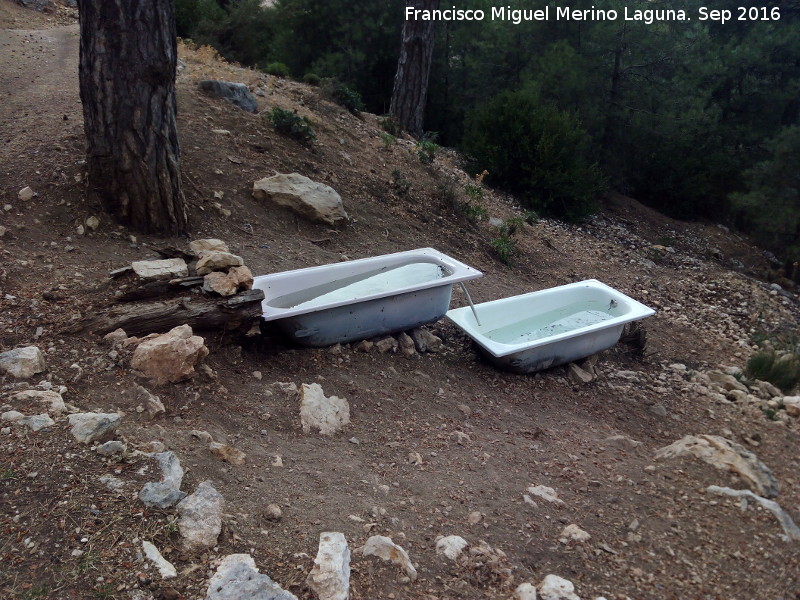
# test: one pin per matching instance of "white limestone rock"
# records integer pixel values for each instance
(94, 427)
(207, 245)
(165, 568)
(309, 199)
(327, 414)
(200, 521)
(22, 363)
(55, 402)
(330, 577)
(451, 546)
(169, 357)
(525, 591)
(155, 270)
(167, 492)
(554, 587)
(383, 547)
(545, 493)
(237, 578)
(213, 260)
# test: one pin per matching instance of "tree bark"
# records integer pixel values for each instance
(128, 53)
(410, 91)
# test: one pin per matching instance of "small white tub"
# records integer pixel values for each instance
(360, 299)
(551, 327)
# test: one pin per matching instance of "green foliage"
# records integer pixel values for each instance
(343, 95)
(291, 124)
(473, 192)
(427, 148)
(278, 69)
(531, 217)
(390, 125)
(771, 206)
(475, 212)
(505, 247)
(512, 226)
(781, 370)
(312, 79)
(401, 185)
(537, 151)
(388, 140)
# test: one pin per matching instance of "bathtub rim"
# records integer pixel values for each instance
(464, 319)
(459, 272)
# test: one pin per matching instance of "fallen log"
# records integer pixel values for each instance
(234, 313)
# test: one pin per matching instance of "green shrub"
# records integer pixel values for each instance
(531, 217)
(427, 148)
(390, 125)
(388, 139)
(512, 226)
(343, 95)
(781, 370)
(400, 183)
(278, 69)
(312, 79)
(291, 124)
(505, 247)
(474, 192)
(475, 212)
(536, 151)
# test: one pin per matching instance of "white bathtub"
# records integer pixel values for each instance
(550, 327)
(359, 299)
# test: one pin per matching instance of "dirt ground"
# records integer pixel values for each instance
(482, 436)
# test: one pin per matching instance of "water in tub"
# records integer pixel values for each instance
(561, 320)
(376, 282)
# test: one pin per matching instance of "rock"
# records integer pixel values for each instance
(545, 493)
(330, 577)
(3, 231)
(141, 397)
(111, 482)
(387, 344)
(196, 247)
(573, 533)
(554, 587)
(792, 405)
(622, 441)
(169, 357)
(525, 591)
(12, 416)
(37, 422)
(22, 363)
(425, 341)
(203, 436)
(200, 521)
(116, 337)
(451, 546)
(26, 194)
(789, 528)
(577, 375)
(227, 284)
(156, 270)
(94, 427)
(93, 223)
(217, 261)
(725, 455)
(166, 492)
(765, 389)
(725, 381)
(49, 397)
(235, 93)
(364, 346)
(273, 512)
(111, 448)
(165, 568)
(474, 517)
(237, 578)
(227, 453)
(329, 415)
(464, 409)
(406, 344)
(383, 547)
(658, 410)
(309, 199)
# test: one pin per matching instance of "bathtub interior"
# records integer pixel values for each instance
(509, 325)
(312, 289)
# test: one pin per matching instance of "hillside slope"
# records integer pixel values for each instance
(439, 444)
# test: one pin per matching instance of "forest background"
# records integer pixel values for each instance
(699, 119)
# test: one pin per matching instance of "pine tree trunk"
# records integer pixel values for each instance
(413, 69)
(128, 53)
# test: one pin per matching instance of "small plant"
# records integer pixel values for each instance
(473, 192)
(7, 475)
(781, 370)
(343, 95)
(475, 212)
(400, 183)
(291, 124)
(278, 69)
(88, 561)
(427, 149)
(390, 125)
(312, 79)
(505, 247)
(34, 592)
(531, 217)
(388, 140)
(512, 226)
(446, 190)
